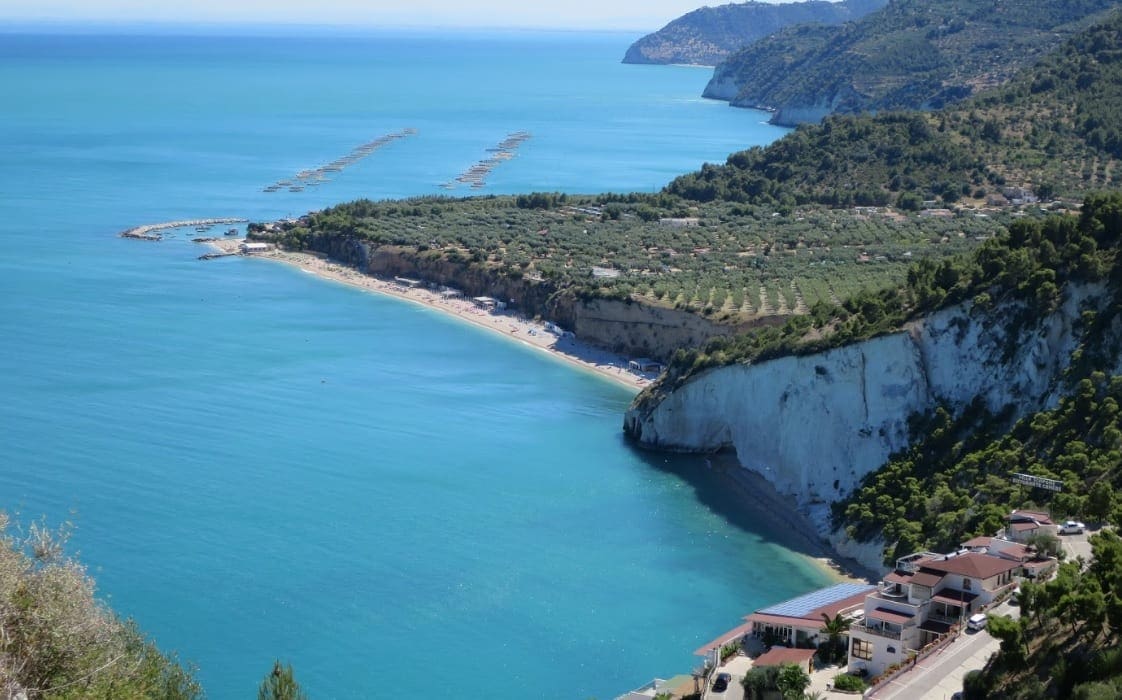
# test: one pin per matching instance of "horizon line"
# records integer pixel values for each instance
(228, 26)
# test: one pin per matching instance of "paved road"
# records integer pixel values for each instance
(940, 675)
(737, 666)
(1077, 546)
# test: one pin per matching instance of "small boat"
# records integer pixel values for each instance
(232, 232)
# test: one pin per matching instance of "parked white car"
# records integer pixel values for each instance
(1072, 527)
(976, 622)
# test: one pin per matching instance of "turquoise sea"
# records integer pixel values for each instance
(262, 464)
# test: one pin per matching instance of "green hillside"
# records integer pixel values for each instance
(954, 482)
(1055, 128)
(708, 35)
(913, 54)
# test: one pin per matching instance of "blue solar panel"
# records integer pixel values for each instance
(806, 604)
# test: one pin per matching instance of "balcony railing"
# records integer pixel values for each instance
(879, 631)
(944, 618)
(893, 591)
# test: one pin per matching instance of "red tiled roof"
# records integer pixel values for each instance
(1042, 518)
(734, 633)
(892, 616)
(783, 655)
(973, 564)
(927, 578)
(978, 542)
(898, 577)
(1023, 527)
(1018, 552)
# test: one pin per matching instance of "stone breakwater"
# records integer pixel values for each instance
(151, 232)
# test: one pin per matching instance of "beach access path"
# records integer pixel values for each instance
(505, 323)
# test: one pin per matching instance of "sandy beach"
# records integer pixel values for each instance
(505, 323)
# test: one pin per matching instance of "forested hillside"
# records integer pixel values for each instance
(912, 54)
(1056, 128)
(1065, 643)
(954, 482)
(707, 35)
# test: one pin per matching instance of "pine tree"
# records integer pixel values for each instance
(280, 685)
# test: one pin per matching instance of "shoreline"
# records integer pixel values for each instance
(510, 325)
(800, 535)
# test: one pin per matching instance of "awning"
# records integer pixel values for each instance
(949, 596)
(935, 626)
(886, 615)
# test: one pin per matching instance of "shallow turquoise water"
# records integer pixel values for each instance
(263, 464)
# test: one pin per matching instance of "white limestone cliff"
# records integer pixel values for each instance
(814, 425)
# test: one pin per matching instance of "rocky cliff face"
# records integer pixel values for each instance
(627, 327)
(815, 425)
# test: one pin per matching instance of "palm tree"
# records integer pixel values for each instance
(835, 626)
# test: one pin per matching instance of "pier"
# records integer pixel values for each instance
(476, 175)
(314, 177)
(151, 232)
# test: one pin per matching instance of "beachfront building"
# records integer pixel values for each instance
(249, 248)
(645, 364)
(488, 303)
(924, 599)
(793, 623)
(409, 282)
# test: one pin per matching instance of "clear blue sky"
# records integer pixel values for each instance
(598, 14)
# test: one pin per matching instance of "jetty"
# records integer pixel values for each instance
(476, 175)
(313, 177)
(151, 232)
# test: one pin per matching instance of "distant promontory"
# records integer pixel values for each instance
(707, 36)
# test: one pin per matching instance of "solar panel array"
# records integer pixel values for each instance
(806, 604)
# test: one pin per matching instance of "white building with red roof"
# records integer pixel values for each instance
(1023, 524)
(922, 600)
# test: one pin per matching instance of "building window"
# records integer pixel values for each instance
(862, 649)
(965, 583)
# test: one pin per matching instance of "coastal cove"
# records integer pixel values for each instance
(263, 465)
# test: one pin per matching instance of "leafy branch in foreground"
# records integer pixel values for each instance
(58, 641)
